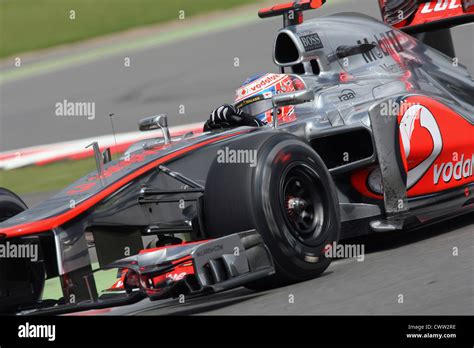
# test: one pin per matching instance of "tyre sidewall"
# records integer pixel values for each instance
(10, 204)
(288, 252)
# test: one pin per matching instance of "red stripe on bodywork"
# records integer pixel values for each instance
(53, 222)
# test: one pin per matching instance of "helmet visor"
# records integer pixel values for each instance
(255, 106)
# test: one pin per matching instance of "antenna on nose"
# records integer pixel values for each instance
(113, 132)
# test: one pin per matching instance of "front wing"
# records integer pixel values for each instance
(188, 269)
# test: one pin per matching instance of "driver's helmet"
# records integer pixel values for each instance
(254, 96)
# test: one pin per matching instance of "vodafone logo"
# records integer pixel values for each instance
(453, 170)
(419, 116)
(265, 82)
(259, 85)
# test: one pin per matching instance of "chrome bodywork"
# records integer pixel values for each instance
(398, 65)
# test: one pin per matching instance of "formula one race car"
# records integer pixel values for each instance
(383, 141)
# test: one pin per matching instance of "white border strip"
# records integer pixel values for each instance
(70, 149)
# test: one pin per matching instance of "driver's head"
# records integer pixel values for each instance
(254, 96)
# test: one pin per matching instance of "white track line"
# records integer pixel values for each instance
(76, 149)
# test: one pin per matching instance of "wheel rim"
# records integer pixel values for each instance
(301, 198)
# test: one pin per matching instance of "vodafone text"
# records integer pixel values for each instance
(457, 170)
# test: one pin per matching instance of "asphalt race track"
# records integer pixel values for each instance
(199, 73)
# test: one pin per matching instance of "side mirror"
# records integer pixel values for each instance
(291, 98)
(155, 122)
(106, 156)
(98, 160)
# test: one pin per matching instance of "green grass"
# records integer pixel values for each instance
(50, 177)
(27, 25)
(103, 280)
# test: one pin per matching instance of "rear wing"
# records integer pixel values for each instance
(420, 16)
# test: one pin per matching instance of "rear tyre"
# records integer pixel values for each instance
(289, 197)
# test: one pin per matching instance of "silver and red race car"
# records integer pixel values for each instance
(383, 140)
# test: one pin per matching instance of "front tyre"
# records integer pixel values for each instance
(10, 204)
(21, 280)
(289, 197)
